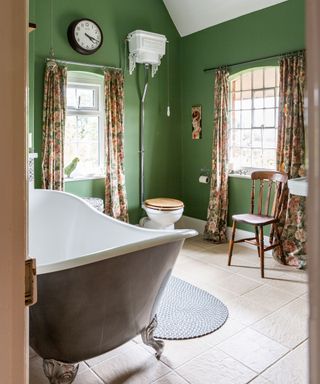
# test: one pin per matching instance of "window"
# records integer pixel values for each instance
(84, 131)
(253, 118)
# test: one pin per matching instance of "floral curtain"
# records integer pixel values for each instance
(115, 195)
(53, 123)
(291, 156)
(216, 227)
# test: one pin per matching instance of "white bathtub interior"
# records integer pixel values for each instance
(62, 227)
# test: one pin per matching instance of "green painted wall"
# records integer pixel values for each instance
(264, 33)
(173, 160)
(162, 134)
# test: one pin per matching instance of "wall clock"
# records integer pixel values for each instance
(85, 36)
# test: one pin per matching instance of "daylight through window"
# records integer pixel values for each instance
(84, 138)
(253, 117)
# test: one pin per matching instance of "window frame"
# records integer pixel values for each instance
(246, 170)
(90, 80)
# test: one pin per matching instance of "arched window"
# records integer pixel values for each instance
(253, 118)
(84, 131)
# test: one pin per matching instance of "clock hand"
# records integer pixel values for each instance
(91, 38)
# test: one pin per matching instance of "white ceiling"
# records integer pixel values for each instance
(191, 16)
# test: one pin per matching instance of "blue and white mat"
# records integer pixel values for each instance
(187, 312)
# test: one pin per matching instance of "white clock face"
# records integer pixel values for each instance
(87, 35)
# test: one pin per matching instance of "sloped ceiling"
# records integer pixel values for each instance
(191, 16)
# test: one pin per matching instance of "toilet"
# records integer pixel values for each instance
(162, 213)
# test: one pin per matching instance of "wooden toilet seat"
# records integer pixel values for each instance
(164, 204)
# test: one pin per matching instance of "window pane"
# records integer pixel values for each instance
(258, 78)
(71, 97)
(269, 158)
(269, 138)
(236, 103)
(245, 157)
(256, 138)
(246, 81)
(269, 99)
(88, 128)
(236, 137)
(88, 154)
(86, 97)
(246, 119)
(71, 128)
(246, 100)
(258, 120)
(258, 99)
(246, 138)
(235, 120)
(269, 77)
(269, 117)
(257, 159)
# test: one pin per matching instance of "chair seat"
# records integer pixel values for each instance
(254, 219)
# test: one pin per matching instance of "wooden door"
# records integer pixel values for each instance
(13, 244)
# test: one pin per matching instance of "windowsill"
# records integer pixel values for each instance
(246, 172)
(83, 178)
(239, 176)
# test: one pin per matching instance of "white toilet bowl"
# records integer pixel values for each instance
(162, 213)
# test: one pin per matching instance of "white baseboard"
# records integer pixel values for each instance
(199, 225)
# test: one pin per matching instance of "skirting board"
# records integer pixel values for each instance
(198, 225)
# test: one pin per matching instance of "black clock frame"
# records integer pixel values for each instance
(73, 42)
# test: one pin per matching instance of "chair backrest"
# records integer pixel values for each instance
(276, 187)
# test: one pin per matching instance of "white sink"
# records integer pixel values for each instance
(298, 186)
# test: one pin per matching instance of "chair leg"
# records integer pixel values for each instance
(278, 239)
(261, 246)
(231, 243)
(257, 239)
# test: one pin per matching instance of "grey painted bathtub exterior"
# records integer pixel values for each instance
(88, 310)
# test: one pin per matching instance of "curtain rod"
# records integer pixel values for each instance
(254, 60)
(83, 64)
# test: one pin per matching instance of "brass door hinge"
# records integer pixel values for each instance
(30, 282)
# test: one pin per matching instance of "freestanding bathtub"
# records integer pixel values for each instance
(99, 281)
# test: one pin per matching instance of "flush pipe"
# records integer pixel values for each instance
(141, 133)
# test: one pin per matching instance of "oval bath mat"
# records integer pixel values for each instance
(186, 312)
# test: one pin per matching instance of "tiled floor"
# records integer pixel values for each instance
(264, 340)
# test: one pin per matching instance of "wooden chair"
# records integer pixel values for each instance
(276, 183)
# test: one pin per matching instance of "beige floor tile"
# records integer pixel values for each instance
(254, 273)
(178, 352)
(288, 283)
(172, 378)
(115, 352)
(305, 296)
(87, 377)
(229, 328)
(135, 366)
(253, 349)
(288, 326)
(199, 274)
(260, 380)
(239, 284)
(215, 367)
(269, 297)
(220, 293)
(293, 368)
(246, 311)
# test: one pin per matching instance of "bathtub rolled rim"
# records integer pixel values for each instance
(171, 236)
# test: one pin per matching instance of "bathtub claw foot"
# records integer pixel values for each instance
(58, 372)
(148, 338)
